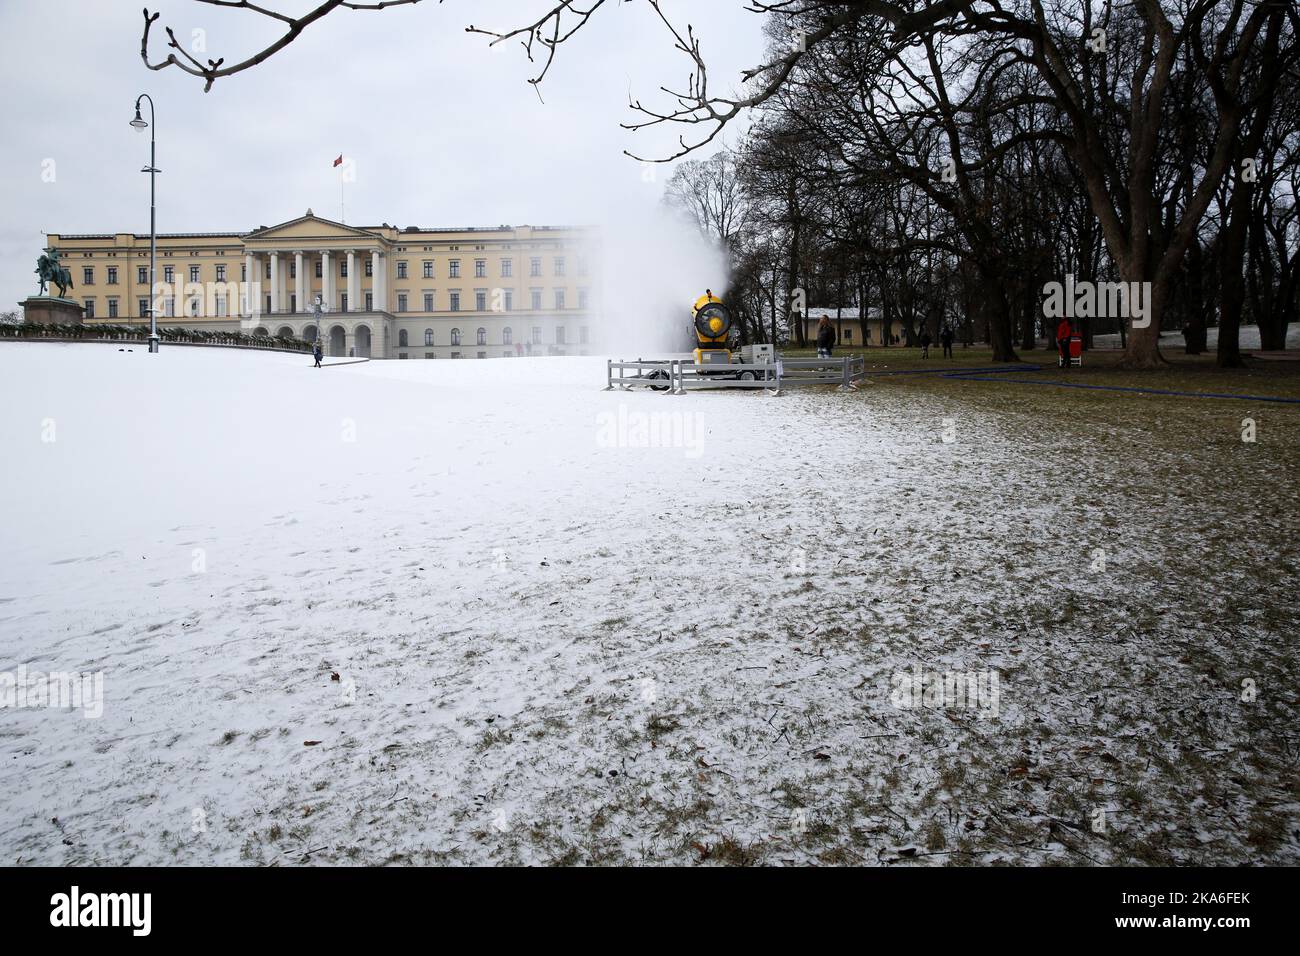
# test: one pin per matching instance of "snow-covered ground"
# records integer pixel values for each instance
(554, 644)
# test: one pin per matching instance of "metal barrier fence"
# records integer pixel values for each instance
(845, 371)
(677, 376)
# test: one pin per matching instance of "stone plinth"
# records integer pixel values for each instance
(51, 310)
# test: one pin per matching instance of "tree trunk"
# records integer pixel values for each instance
(1142, 345)
(1194, 332)
(1232, 250)
(996, 309)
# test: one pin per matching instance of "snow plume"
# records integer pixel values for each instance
(649, 265)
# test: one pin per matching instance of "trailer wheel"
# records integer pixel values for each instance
(660, 375)
(747, 377)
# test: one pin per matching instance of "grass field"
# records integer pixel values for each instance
(1182, 373)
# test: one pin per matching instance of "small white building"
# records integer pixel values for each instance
(849, 331)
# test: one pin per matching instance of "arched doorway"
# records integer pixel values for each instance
(338, 336)
(363, 341)
(309, 333)
(285, 332)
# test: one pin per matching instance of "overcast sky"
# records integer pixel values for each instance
(443, 131)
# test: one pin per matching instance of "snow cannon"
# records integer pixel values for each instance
(712, 322)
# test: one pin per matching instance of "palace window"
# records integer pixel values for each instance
(537, 300)
(508, 299)
(584, 298)
(454, 269)
(112, 275)
(559, 298)
(112, 308)
(428, 302)
(559, 265)
(142, 275)
(455, 340)
(480, 300)
(194, 273)
(428, 336)
(370, 302)
(319, 274)
(169, 274)
(480, 268)
(90, 308)
(221, 273)
(401, 339)
(401, 269)
(507, 268)
(507, 336)
(537, 335)
(370, 266)
(455, 302)
(535, 266)
(144, 307)
(401, 302)
(343, 267)
(428, 268)
(482, 336)
(88, 275)
(559, 335)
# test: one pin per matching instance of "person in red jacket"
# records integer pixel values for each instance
(1063, 333)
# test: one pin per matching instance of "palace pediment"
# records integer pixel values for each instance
(309, 227)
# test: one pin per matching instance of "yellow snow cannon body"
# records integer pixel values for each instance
(712, 322)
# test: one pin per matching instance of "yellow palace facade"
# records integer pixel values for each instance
(384, 292)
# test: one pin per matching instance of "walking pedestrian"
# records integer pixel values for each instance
(825, 338)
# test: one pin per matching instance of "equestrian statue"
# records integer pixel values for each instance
(50, 270)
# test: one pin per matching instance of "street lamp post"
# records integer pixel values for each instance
(153, 170)
(316, 310)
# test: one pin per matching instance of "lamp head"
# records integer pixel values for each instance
(139, 122)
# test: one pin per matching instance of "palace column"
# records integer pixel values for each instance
(299, 296)
(377, 281)
(275, 281)
(354, 284)
(250, 284)
(327, 280)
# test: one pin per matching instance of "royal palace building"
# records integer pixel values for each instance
(385, 292)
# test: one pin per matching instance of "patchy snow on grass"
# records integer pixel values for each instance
(1247, 338)
(484, 612)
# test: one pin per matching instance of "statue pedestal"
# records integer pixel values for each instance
(51, 310)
